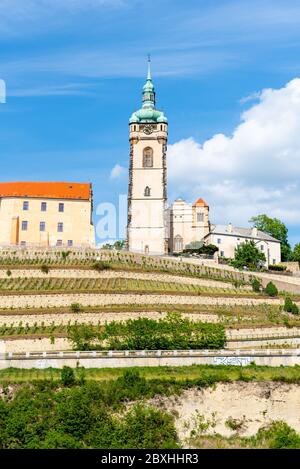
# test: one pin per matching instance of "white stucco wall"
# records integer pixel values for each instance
(228, 242)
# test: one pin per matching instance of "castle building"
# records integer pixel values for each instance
(147, 189)
(154, 228)
(228, 237)
(46, 214)
(188, 223)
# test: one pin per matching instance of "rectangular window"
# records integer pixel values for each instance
(222, 253)
(262, 247)
(61, 207)
(25, 205)
(219, 240)
(23, 243)
(24, 225)
(60, 227)
(42, 226)
(200, 217)
(70, 242)
(43, 206)
(274, 261)
(59, 242)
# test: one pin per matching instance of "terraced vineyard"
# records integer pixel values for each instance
(39, 285)
(41, 298)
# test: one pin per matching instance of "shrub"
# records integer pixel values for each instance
(45, 269)
(8, 273)
(170, 333)
(75, 307)
(65, 254)
(100, 265)
(290, 306)
(278, 435)
(256, 284)
(67, 376)
(271, 289)
(277, 267)
(234, 424)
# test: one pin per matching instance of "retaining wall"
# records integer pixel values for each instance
(115, 359)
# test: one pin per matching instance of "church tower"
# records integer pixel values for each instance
(147, 189)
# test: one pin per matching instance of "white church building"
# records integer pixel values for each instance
(154, 228)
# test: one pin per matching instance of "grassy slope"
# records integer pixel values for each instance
(185, 376)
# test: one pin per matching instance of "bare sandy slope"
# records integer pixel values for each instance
(249, 405)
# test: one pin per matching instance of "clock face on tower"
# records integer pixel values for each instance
(148, 129)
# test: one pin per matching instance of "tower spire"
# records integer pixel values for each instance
(148, 89)
(149, 68)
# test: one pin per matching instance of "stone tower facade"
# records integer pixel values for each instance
(147, 189)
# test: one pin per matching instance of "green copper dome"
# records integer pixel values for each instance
(148, 113)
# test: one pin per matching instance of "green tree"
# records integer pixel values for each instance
(256, 284)
(275, 228)
(247, 254)
(296, 253)
(271, 289)
(67, 376)
(119, 245)
(290, 306)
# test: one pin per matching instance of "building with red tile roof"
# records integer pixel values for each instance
(46, 214)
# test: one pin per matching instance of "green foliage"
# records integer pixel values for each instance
(67, 376)
(248, 255)
(147, 427)
(100, 265)
(119, 245)
(277, 436)
(45, 269)
(75, 307)
(170, 333)
(271, 289)
(296, 253)
(8, 273)
(256, 284)
(277, 229)
(91, 415)
(234, 424)
(290, 306)
(208, 249)
(277, 267)
(65, 254)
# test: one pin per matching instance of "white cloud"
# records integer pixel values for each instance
(255, 170)
(69, 89)
(117, 172)
(251, 97)
(18, 16)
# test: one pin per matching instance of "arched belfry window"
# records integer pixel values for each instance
(147, 191)
(148, 158)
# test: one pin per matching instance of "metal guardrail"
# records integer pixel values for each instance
(109, 354)
(274, 335)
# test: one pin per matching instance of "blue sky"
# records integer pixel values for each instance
(74, 70)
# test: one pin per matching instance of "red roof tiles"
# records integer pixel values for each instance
(46, 190)
(200, 202)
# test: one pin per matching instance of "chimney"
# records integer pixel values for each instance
(254, 232)
(229, 228)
